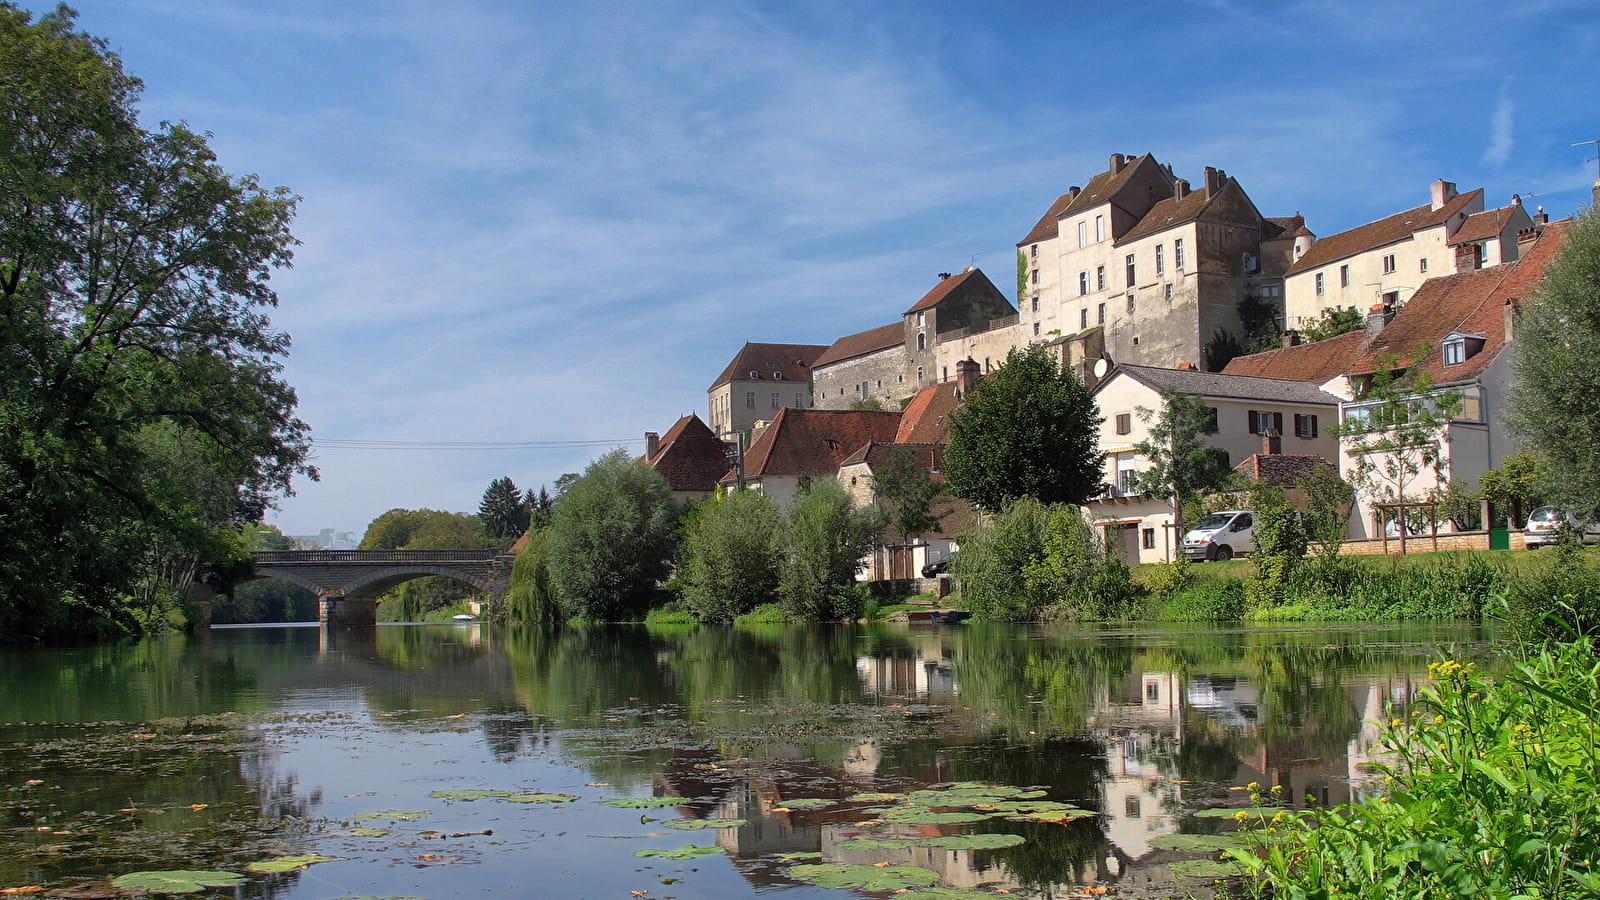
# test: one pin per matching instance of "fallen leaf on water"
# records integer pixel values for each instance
(34, 782)
(29, 889)
(199, 806)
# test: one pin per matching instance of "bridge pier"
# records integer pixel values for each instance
(339, 611)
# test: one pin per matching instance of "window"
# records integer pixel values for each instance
(1455, 352)
(1036, 328)
(1262, 422)
(1344, 276)
(799, 401)
(946, 375)
(1099, 228)
(1422, 266)
(777, 399)
(1483, 254)
(1100, 278)
(1305, 426)
(1124, 423)
(1127, 482)
(1252, 263)
(1319, 284)
(1177, 254)
(1036, 304)
(1129, 262)
(1035, 251)
(922, 319)
(750, 399)
(1147, 538)
(1211, 423)
(1136, 340)
(1161, 260)
(1100, 314)
(1130, 304)
(1083, 234)
(922, 341)
(1168, 291)
(1388, 264)
(1083, 317)
(919, 374)
(1083, 283)
(1035, 276)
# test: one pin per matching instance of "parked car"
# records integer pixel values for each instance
(1221, 535)
(1544, 528)
(937, 567)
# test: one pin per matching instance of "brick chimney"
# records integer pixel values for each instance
(967, 371)
(1291, 338)
(1271, 442)
(1215, 178)
(943, 275)
(1467, 258)
(1541, 217)
(1442, 192)
(1186, 366)
(1378, 316)
(652, 445)
(1118, 161)
(1180, 188)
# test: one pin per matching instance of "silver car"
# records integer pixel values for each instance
(1544, 528)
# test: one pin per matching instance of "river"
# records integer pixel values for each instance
(466, 760)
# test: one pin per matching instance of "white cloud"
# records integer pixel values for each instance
(1501, 128)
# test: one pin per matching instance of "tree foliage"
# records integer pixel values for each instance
(1182, 465)
(611, 538)
(1396, 430)
(505, 513)
(1027, 430)
(1513, 488)
(731, 554)
(1334, 322)
(134, 273)
(1555, 400)
(908, 494)
(1036, 561)
(1328, 499)
(531, 596)
(825, 539)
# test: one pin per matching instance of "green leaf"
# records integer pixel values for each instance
(644, 802)
(873, 797)
(975, 841)
(540, 798)
(687, 851)
(795, 856)
(920, 816)
(866, 878)
(1225, 812)
(1206, 868)
(175, 882)
(369, 832)
(697, 824)
(289, 863)
(875, 844)
(1196, 843)
(467, 794)
(808, 803)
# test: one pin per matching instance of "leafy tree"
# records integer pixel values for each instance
(1220, 349)
(1182, 465)
(1513, 488)
(824, 540)
(1554, 400)
(995, 556)
(611, 538)
(134, 273)
(909, 494)
(1027, 430)
(1334, 322)
(1075, 574)
(539, 506)
(503, 510)
(1395, 432)
(730, 556)
(1281, 543)
(1328, 499)
(531, 596)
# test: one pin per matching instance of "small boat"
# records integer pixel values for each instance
(464, 617)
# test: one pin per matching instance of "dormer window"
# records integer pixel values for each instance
(1457, 348)
(777, 376)
(754, 375)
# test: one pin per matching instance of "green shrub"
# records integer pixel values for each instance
(1562, 602)
(1169, 579)
(765, 614)
(670, 614)
(730, 556)
(994, 556)
(1493, 792)
(1214, 600)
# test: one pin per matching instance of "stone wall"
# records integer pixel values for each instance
(837, 385)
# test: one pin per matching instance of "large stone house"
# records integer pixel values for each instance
(690, 456)
(860, 368)
(761, 380)
(1254, 416)
(1457, 330)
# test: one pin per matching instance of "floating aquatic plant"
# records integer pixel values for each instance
(644, 802)
(181, 881)
(289, 863)
(471, 794)
(687, 851)
(866, 878)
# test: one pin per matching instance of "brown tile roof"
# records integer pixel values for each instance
(926, 419)
(1387, 230)
(1318, 362)
(815, 441)
(1167, 213)
(792, 361)
(1274, 228)
(690, 456)
(1484, 225)
(862, 343)
(1099, 190)
(1050, 223)
(1217, 384)
(1465, 303)
(930, 456)
(1282, 469)
(941, 291)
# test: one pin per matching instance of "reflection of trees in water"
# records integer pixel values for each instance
(1042, 686)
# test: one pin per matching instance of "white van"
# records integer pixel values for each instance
(1222, 535)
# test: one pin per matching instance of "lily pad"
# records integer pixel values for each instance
(181, 881)
(1251, 812)
(540, 798)
(289, 863)
(1206, 868)
(381, 898)
(913, 815)
(687, 851)
(807, 803)
(866, 878)
(873, 797)
(1019, 807)
(467, 794)
(975, 841)
(697, 824)
(945, 893)
(393, 815)
(875, 843)
(644, 802)
(789, 857)
(1195, 843)
(369, 832)
(1054, 815)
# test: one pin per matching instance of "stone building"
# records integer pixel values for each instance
(863, 367)
(690, 456)
(801, 445)
(761, 380)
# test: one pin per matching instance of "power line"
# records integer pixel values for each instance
(372, 444)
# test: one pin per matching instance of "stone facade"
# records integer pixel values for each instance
(761, 380)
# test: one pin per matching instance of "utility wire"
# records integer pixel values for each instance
(365, 444)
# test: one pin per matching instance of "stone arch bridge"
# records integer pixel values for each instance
(348, 582)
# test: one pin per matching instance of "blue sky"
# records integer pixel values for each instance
(558, 221)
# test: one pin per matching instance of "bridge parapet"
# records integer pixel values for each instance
(282, 556)
(346, 581)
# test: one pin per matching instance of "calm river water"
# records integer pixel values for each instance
(244, 744)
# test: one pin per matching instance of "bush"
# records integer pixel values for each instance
(824, 541)
(1214, 600)
(1075, 575)
(1561, 603)
(989, 569)
(611, 539)
(670, 614)
(730, 556)
(531, 596)
(765, 614)
(1493, 792)
(1169, 579)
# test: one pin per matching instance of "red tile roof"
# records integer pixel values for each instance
(1099, 190)
(791, 361)
(926, 419)
(862, 343)
(1484, 225)
(1317, 362)
(941, 291)
(1275, 228)
(1050, 223)
(815, 441)
(690, 456)
(1169, 212)
(1387, 230)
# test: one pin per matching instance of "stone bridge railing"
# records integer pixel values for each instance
(347, 582)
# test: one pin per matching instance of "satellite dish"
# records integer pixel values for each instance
(1101, 367)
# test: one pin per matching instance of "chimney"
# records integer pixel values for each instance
(1186, 367)
(1167, 167)
(1442, 192)
(967, 371)
(943, 275)
(1527, 236)
(1378, 316)
(652, 445)
(1516, 199)
(1214, 180)
(1073, 192)
(1180, 188)
(1117, 162)
(1513, 310)
(1467, 258)
(1541, 217)
(1291, 338)
(1594, 192)
(1271, 442)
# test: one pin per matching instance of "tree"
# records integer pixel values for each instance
(539, 508)
(908, 493)
(1182, 465)
(1395, 430)
(503, 510)
(995, 557)
(611, 538)
(1334, 322)
(1555, 398)
(134, 273)
(1027, 430)
(1328, 499)
(1513, 488)
(731, 555)
(824, 540)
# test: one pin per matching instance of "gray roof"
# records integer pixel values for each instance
(1215, 384)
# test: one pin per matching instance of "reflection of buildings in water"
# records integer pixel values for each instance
(921, 670)
(1139, 720)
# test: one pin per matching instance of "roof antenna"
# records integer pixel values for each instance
(1593, 159)
(974, 263)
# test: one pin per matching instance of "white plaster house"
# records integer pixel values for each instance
(760, 380)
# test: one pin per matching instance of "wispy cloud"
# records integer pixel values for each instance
(1501, 128)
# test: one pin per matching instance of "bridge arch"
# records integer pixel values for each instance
(376, 583)
(292, 576)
